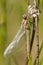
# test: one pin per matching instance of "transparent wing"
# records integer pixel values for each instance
(15, 42)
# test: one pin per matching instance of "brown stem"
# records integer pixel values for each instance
(37, 39)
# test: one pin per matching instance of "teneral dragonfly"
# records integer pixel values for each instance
(18, 36)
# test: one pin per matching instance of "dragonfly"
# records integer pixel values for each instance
(19, 35)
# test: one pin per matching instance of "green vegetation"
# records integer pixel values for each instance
(11, 12)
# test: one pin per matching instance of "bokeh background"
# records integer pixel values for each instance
(11, 12)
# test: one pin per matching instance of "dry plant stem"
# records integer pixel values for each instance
(37, 39)
(28, 1)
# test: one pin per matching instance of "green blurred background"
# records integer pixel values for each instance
(11, 12)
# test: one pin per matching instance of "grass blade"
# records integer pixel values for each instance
(41, 62)
(41, 48)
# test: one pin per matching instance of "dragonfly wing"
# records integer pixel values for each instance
(19, 32)
(14, 43)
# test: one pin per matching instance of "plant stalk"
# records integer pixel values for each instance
(37, 39)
